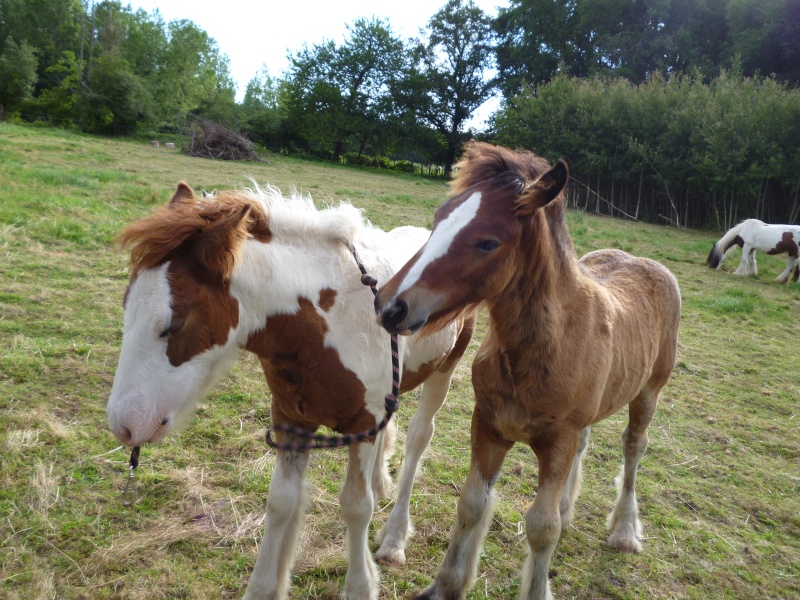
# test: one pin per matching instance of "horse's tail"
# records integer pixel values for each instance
(721, 249)
(796, 275)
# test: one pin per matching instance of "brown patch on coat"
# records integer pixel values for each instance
(411, 379)
(787, 244)
(736, 241)
(310, 385)
(203, 311)
(444, 364)
(327, 298)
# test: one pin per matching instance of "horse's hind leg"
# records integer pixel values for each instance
(357, 502)
(573, 486)
(790, 266)
(752, 266)
(626, 529)
(285, 507)
(398, 528)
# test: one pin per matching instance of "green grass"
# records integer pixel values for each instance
(719, 488)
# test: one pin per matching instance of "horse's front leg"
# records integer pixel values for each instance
(397, 529)
(745, 262)
(356, 500)
(285, 507)
(556, 451)
(460, 565)
(381, 480)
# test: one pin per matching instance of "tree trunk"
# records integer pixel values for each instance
(338, 150)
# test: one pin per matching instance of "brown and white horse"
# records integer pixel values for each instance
(276, 276)
(752, 235)
(570, 342)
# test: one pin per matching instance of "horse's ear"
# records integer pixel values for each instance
(184, 193)
(544, 190)
(218, 246)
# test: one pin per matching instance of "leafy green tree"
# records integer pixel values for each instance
(766, 35)
(61, 104)
(117, 101)
(340, 96)
(193, 72)
(261, 115)
(448, 82)
(17, 75)
(539, 39)
(48, 26)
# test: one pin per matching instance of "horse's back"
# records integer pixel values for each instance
(643, 289)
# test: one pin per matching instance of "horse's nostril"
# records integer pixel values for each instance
(125, 435)
(164, 421)
(395, 314)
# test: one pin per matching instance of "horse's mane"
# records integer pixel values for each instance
(171, 229)
(483, 163)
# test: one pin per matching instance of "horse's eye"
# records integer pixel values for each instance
(487, 245)
(173, 327)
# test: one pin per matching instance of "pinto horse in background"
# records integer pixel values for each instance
(570, 342)
(752, 235)
(277, 277)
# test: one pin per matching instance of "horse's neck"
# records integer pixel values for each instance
(529, 317)
(271, 277)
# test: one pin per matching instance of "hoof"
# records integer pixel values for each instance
(393, 558)
(624, 543)
(433, 593)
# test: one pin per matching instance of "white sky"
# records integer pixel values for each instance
(254, 33)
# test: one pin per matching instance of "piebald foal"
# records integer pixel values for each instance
(253, 270)
(570, 342)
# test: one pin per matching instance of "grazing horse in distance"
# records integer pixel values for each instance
(570, 342)
(751, 235)
(254, 270)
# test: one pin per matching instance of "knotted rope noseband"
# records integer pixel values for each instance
(306, 440)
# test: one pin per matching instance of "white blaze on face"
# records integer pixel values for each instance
(441, 239)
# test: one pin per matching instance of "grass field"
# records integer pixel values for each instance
(719, 488)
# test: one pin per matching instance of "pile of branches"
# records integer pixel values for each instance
(211, 140)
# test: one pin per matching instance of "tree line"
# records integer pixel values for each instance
(679, 111)
(669, 150)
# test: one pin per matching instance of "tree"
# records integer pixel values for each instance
(17, 75)
(539, 39)
(766, 34)
(340, 96)
(117, 101)
(61, 103)
(49, 26)
(448, 82)
(262, 117)
(193, 73)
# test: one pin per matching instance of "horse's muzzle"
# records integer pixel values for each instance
(393, 315)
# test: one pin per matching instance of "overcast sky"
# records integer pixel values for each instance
(254, 33)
